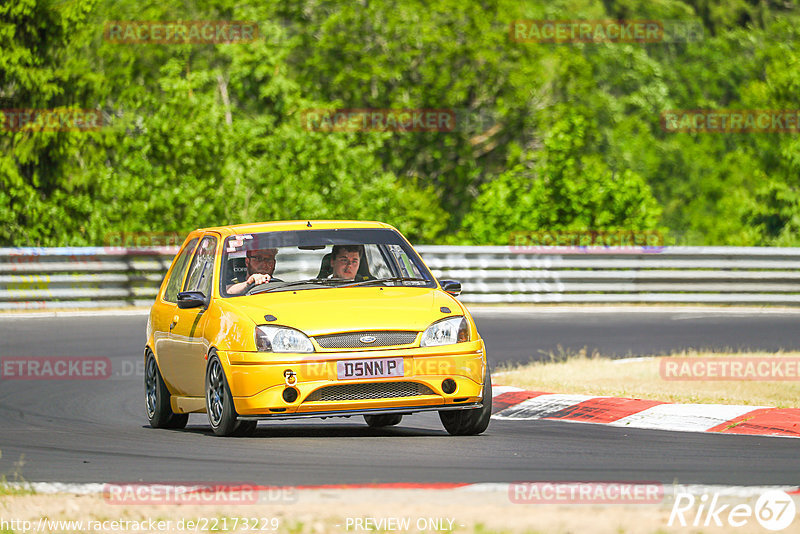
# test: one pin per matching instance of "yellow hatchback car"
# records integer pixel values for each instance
(294, 319)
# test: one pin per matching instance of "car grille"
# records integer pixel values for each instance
(352, 340)
(375, 390)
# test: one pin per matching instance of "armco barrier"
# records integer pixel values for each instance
(81, 277)
(40, 278)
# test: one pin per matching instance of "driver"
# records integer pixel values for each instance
(345, 260)
(260, 266)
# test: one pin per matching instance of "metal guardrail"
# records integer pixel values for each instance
(89, 277)
(733, 275)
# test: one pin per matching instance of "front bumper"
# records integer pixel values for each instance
(257, 381)
(374, 411)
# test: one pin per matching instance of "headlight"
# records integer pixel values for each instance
(446, 332)
(282, 339)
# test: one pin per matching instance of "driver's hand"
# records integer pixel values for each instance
(258, 278)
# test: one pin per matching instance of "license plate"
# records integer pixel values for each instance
(373, 368)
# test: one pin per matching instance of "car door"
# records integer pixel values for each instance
(188, 346)
(163, 311)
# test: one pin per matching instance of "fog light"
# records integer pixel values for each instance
(449, 386)
(290, 395)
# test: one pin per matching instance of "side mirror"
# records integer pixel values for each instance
(191, 299)
(451, 286)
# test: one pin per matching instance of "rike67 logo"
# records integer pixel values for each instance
(774, 510)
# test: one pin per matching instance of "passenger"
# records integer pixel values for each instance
(345, 260)
(260, 266)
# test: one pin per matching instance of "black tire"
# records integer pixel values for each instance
(156, 398)
(470, 422)
(377, 421)
(222, 415)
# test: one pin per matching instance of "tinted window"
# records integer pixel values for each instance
(179, 272)
(202, 270)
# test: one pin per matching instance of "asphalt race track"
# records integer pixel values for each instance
(520, 336)
(96, 431)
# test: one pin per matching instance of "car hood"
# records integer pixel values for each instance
(329, 310)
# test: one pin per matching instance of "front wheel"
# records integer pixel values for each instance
(219, 404)
(470, 422)
(156, 396)
(377, 421)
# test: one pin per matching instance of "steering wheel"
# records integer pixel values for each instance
(249, 287)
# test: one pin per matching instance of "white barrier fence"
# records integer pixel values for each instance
(89, 277)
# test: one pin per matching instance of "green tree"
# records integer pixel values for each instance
(43, 182)
(563, 189)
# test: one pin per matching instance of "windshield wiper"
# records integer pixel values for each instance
(381, 280)
(265, 288)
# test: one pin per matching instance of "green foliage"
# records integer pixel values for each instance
(564, 190)
(43, 186)
(549, 136)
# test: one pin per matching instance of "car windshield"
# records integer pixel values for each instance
(319, 259)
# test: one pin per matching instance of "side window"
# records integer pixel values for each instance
(376, 262)
(201, 272)
(178, 273)
(407, 267)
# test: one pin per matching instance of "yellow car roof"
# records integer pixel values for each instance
(276, 226)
